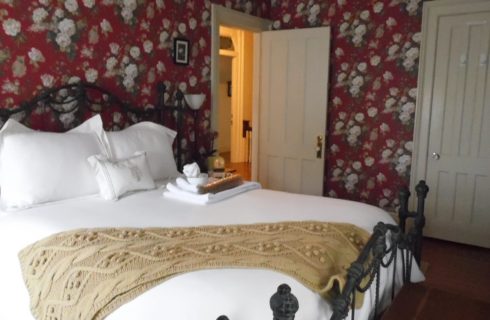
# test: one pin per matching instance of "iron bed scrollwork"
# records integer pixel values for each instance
(366, 269)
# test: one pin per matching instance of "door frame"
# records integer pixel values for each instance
(432, 10)
(221, 16)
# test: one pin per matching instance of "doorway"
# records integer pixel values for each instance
(232, 71)
(235, 99)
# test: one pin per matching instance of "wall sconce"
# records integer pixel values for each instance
(194, 101)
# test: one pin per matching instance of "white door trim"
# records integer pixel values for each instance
(431, 12)
(235, 19)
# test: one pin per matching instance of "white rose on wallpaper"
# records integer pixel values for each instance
(131, 71)
(160, 4)
(63, 40)
(383, 203)
(369, 161)
(390, 143)
(358, 81)
(127, 14)
(130, 4)
(71, 5)
(35, 55)
(117, 117)
(380, 177)
(391, 22)
(412, 53)
(350, 182)
(73, 80)
(300, 7)
(336, 101)
(384, 127)
(286, 18)
(394, 91)
(336, 172)
(362, 67)
(39, 14)
(114, 47)
(360, 30)
(364, 15)
(148, 46)
(375, 60)
(334, 148)
(342, 115)
(89, 3)
(205, 16)
(338, 126)
(378, 7)
(182, 28)
(19, 67)
(44, 2)
(404, 117)
(359, 117)
(408, 107)
(387, 76)
(389, 103)
(105, 26)
(163, 36)
(128, 83)
(276, 24)
(160, 67)
(135, 52)
(392, 50)
(59, 13)
(343, 28)
(192, 81)
(372, 112)
(10, 87)
(11, 27)
(110, 63)
(341, 77)
(386, 154)
(47, 80)
(67, 26)
(339, 52)
(417, 37)
(409, 145)
(192, 23)
(357, 165)
(91, 75)
(354, 90)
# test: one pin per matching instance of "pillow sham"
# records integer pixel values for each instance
(39, 167)
(156, 140)
(117, 177)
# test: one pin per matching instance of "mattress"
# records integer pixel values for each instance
(241, 294)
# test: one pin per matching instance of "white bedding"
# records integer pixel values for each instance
(201, 295)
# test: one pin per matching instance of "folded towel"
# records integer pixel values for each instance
(191, 170)
(184, 185)
(174, 192)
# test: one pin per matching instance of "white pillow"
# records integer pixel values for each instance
(117, 177)
(154, 139)
(39, 167)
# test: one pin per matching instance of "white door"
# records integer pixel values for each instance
(293, 109)
(458, 149)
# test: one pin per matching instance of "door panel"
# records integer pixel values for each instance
(458, 167)
(292, 109)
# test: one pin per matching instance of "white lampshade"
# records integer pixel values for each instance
(194, 101)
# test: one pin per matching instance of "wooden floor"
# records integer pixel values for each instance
(242, 168)
(457, 285)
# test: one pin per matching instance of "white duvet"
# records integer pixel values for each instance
(241, 294)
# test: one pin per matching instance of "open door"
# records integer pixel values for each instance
(293, 109)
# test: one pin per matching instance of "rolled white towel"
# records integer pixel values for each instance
(191, 170)
(184, 185)
(174, 192)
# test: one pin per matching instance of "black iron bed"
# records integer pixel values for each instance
(387, 241)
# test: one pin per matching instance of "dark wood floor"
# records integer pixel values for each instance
(457, 285)
(242, 168)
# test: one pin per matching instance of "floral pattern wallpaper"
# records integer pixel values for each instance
(126, 46)
(372, 91)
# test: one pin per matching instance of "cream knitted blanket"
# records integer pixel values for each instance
(86, 274)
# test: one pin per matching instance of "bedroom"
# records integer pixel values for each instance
(126, 47)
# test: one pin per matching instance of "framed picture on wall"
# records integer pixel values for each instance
(181, 51)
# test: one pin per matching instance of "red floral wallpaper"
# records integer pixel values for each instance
(372, 91)
(122, 45)
(125, 46)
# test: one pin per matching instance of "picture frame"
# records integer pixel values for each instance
(181, 51)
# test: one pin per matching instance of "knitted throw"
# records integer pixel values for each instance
(86, 274)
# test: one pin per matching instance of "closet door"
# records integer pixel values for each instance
(458, 145)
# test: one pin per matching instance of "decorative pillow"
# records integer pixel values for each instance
(118, 177)
(154, 139)
(38, 167)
